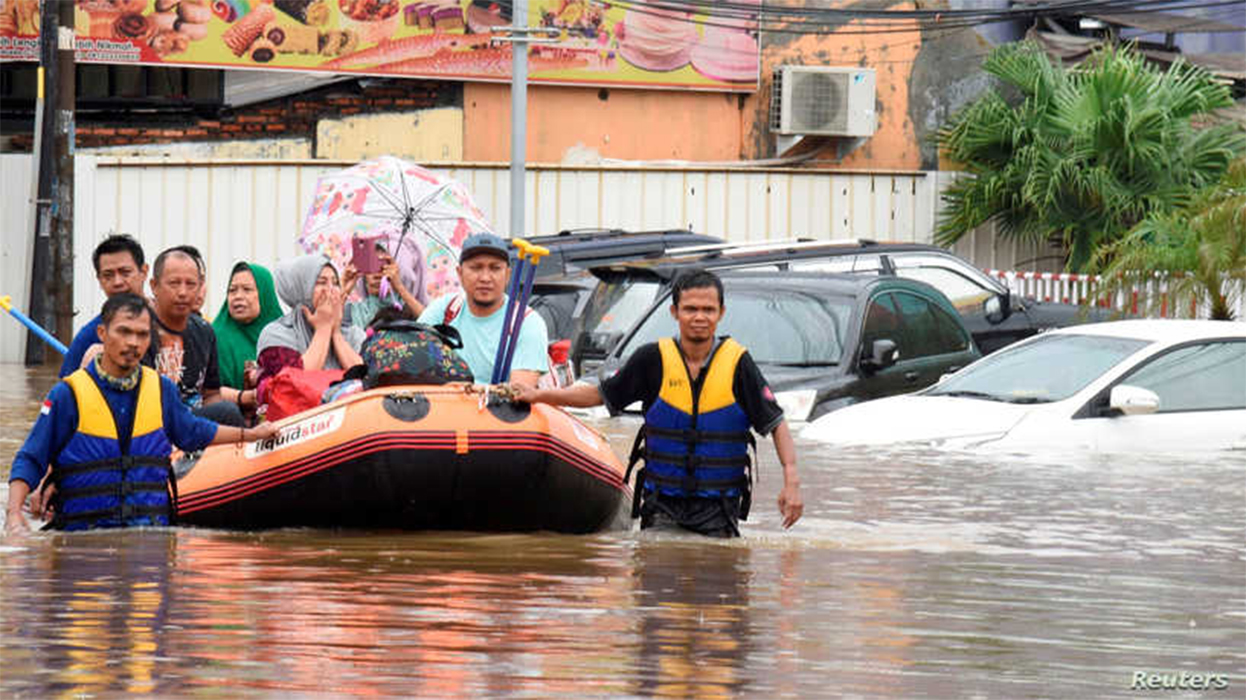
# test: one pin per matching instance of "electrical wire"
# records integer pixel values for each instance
(814, 20)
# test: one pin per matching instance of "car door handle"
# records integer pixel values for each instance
(911, 376)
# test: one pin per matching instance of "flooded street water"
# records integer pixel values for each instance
(912, 575)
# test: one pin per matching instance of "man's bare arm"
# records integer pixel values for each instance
(791, 506)
(578, 395)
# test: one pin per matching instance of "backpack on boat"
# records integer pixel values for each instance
(406, 352)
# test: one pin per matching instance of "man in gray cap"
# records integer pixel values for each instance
(477, 313)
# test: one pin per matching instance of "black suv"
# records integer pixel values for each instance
(824, 341)
(563, 283)
(992, 313)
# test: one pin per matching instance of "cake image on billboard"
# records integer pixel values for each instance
(482, 16)
(656, 40)
(727, 55)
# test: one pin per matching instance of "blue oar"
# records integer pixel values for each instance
(7, 304)
(537, 252)
(512, 291)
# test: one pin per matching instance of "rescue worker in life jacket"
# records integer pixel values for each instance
(108, 430)
(701, 395)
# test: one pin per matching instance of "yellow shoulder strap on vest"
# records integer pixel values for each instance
(149, 413)
(676, 385)
(718, 390)
(94, 416)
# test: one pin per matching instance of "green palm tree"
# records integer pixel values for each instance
(1081, 156)
(1203, 247)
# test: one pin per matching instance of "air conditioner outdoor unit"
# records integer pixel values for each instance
(823, 101)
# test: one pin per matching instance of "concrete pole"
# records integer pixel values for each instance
(39, 247)
(63, 189)
(519, 116)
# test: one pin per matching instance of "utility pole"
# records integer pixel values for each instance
(519, 115)
(40, 248)
(63, 187)
(521, 35)
(52, 253)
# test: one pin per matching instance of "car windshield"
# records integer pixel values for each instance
(778, 326)
(616, 305)
(1051, 368)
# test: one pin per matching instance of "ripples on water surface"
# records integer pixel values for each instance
(913, 574)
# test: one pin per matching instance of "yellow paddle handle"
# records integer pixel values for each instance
(6, 303)
(532, 252)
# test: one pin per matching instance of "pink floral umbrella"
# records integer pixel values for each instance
(422, 218)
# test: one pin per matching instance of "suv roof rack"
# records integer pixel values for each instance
(728, 250)
(730, 256)
(594, 233)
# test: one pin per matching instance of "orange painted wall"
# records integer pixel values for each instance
(891, 55)
(628, 124)
(699, 126)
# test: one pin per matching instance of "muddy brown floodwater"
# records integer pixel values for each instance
(913, 574)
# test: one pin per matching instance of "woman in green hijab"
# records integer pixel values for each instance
(250, 304)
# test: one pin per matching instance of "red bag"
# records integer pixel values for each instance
(294, 390)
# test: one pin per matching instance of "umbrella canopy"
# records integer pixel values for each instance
(422, 218)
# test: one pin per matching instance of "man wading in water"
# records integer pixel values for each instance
(108, 431)
(701, 394)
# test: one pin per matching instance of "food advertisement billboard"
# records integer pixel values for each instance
(597, 43)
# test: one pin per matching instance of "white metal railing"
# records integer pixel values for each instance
(1150, 297)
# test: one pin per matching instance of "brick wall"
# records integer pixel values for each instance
(293, 116)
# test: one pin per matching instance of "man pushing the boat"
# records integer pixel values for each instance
(701, 395)
(108, 430)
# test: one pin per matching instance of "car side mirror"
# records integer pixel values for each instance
(1133, 400)
(998, 307)
(882, 354)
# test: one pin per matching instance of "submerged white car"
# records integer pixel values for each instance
(1117, 386)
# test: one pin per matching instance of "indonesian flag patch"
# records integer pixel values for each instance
(46, 408)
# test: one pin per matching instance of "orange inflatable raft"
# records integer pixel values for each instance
(414, 458)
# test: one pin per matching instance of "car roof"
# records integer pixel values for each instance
(729, 255)
(1159, 330)
(578, 249)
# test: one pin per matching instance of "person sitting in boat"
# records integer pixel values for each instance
(108, 431)
(250, 305)
(404, 277)
(315, 334)
(697, 469)
(477, 313)
(187, 346)
(185, 343)
(119, 269)
(196, 306)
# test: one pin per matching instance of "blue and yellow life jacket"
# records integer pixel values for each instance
(696, 445)
(97, 485)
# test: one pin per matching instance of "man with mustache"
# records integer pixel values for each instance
(701, 395)
(108, 431)
(477, 314)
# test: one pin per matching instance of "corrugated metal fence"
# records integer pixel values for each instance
(254, 210)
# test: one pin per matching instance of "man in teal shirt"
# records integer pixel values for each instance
(477, 313)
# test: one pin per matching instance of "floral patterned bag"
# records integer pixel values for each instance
(406, 352)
